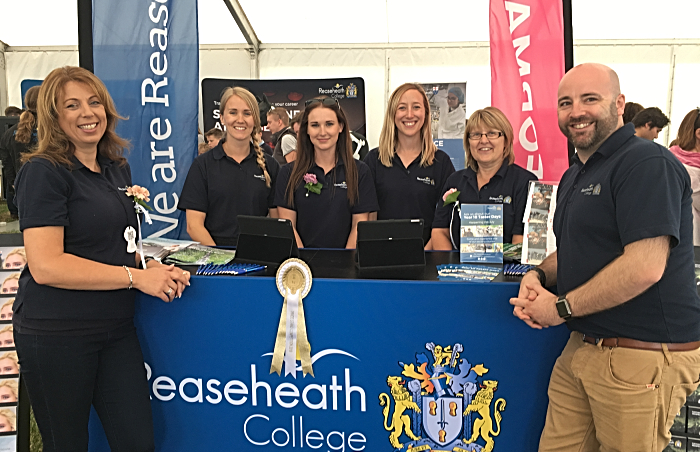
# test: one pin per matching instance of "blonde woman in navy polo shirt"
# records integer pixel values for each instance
(74, 315)
(325, 192)
(235, 178)
(408, 169)
(490, 177)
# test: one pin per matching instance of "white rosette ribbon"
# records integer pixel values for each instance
(294, 283)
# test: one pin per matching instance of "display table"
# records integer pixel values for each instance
(208, 359)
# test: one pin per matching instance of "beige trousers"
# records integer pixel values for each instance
(605, 399)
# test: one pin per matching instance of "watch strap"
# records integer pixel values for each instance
(540, 275)
(563, 307)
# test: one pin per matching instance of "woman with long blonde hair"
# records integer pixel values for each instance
(408, 169)
(234, 178)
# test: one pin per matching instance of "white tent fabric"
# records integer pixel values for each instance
(656, 51)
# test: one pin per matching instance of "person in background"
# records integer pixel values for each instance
(235, 178)
(74, 313)
(686, 147)
(408, 169)
(325, 192)
(490, 177)
(294, 123)
(13, 111)
(283, 137)
(649, 122)
(631, 110)
(17, 141)
(452, 113)
(625, 278)
(202, 148)
(213, 136)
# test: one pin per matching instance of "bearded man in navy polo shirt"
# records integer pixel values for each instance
(625, 275)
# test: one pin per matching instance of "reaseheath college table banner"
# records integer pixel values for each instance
(449, 361)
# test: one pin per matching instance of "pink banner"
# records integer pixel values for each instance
(527, 62)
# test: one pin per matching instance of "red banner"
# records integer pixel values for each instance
(527, 62)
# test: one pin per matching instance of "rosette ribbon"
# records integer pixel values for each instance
(292, 343)
(147, 218)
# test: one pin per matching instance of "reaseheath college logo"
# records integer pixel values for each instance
(446, 410)
(256, 393)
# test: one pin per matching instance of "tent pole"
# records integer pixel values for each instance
(85, 35)
(568, 36)
(568, 53)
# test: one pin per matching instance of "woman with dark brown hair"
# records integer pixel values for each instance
(325, 192)
(686, 147)
(74, 311)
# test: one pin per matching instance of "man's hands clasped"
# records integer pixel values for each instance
(535, 305)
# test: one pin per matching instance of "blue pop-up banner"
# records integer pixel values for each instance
(147, 53)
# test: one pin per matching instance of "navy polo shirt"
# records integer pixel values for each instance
(325, 220)
(508, 187)
(222, 188)
(413, 192)
(94, 211)
(630, 189)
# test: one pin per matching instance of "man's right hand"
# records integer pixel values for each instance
(531, 279)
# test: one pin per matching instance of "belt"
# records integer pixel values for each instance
(641, 345)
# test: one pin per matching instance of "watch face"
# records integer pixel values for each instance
(563, 308)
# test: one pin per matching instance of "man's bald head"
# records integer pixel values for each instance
(589, 106)
(604, 76)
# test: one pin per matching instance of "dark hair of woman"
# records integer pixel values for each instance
(305, 152)
(686, 132)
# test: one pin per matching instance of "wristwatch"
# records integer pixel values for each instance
(540, 275)
(563, 307)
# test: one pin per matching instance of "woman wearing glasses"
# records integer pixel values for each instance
(325, 192)
(686, 147)
(408, 170)
(490, 177)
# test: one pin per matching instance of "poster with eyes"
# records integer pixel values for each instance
(12, 258)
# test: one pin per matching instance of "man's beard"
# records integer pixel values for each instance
(602, 129)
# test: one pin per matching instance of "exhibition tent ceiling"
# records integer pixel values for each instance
(54, 22)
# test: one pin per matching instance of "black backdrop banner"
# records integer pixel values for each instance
(290, 94)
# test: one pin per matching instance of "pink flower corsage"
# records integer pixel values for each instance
(450, 196)
(312, 184)
(140, 195)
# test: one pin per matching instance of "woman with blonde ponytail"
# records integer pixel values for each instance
(18, 140)
(235, 178)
